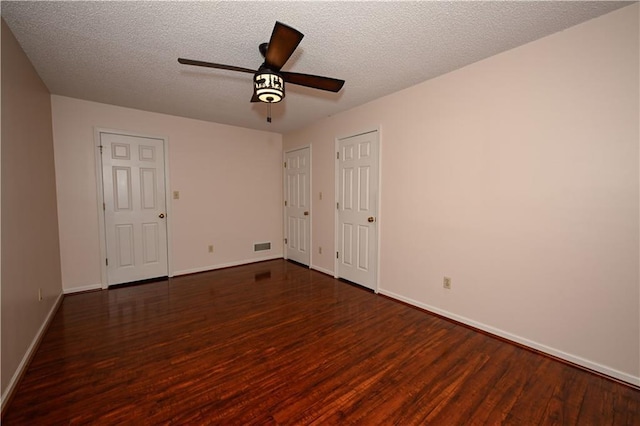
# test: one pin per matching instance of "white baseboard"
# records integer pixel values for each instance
(226, 265)
(608, 371)
(323, 270)
(28, 354)
(182, 272)
(83, 288)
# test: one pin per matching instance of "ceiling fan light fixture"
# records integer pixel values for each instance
(268, 86)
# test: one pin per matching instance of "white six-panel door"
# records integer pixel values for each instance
(297, 205)
(358, 209)
(134, 207)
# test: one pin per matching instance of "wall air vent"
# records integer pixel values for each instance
(262, 246)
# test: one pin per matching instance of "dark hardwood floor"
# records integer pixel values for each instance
(275, 343)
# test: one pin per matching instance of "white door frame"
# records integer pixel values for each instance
(100, 198)
(284, 194)
(336, 236)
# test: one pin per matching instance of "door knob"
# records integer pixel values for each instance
(161, 215)
(371, 219)
(306, 213)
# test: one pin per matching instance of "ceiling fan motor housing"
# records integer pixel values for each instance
(268, 86)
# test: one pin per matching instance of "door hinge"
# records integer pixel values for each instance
(285, 164)
(286, 241)
(338, 155)
(104, 206)
(337, 257)
(106, 261)
(338, 206)
(100, 149)
(285, 203)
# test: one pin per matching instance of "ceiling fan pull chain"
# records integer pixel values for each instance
(268, 113)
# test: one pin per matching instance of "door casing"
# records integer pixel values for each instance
(100, 198)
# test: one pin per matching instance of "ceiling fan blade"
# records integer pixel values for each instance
(283, 42)
(254, 98)
(313, 81)
(213, 65)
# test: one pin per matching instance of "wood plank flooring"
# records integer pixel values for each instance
(276, 343)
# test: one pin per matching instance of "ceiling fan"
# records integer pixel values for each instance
(268, 79)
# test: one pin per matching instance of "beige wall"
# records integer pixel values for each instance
(229, 178)
(30, 248)
(518, 177)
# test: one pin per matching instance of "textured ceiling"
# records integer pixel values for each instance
(125, 53)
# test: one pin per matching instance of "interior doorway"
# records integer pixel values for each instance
(134, 207)
(357, 169)
(297, 205)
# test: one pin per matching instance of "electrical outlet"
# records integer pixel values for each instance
(320, 195)
(39, 295)
(319, 250)
(211, 248)
(176, 195)
(446, 283)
